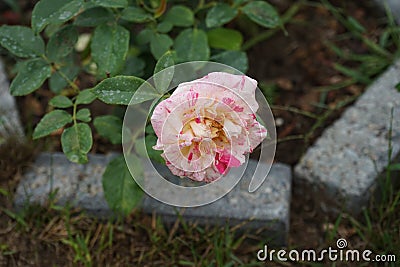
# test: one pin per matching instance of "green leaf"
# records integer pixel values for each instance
(239, 2)
(53, 11)
(262, 13)
(57, 82)
(30, 77)
(144, 148)
(167, 60)
(236, 59)
(119, 90)
(76, 142)
(180, 16)
(394, 167)
(62, 43)
(145, 36)
(223, 38)
(159, 44)
(134, 66)
(220, 14)
(354, 25)
(149, 129)
(353, 73)
(94, 17)
(192, 45)
(111, 3)
(110, 46)
(14, 5)
(51, 122)
(164, 27)
(163, 80)
(136, 14)
(61, 101)
(120, 190)
(398, 87)
(155, 155)
(83, 115)
(21, 41)
(109, 127)
(85, 97)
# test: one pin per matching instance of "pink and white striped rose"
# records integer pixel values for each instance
(208, 126)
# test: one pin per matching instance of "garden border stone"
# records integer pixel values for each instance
(10, 125)
(394, 6)
(265, 211)
(342, 168)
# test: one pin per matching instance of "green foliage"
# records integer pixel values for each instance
(61, 101)
(226, 39)
(109, 47)
(61, 43)
(220, 14)
(85, 97)
(120, 190)
(48, 12)
(398, 87)
(76, 142)
(50, 122)
(84, 115)
(162, 80)
(57, 82)
(21, 41)
(135, 14)
(192, 45)
(236, 59)
(30, 77)
(159, 44)
(94, 17)
(120, 90)
(90, 50)
(180, 16)
(262, 13)
(109, 127)
(111, 3)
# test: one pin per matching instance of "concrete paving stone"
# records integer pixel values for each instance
(394, 6)
(80, 185)
(341, 170)
(10, 125)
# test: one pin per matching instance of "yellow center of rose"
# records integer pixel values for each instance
(208, 134)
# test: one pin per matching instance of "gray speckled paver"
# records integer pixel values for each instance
(342, 168)
(394, 6)
(266, 209)
(9, 119)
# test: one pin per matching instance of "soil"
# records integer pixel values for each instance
(299, 63)
(296, 64)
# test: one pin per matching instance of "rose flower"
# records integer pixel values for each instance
(208, 126)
